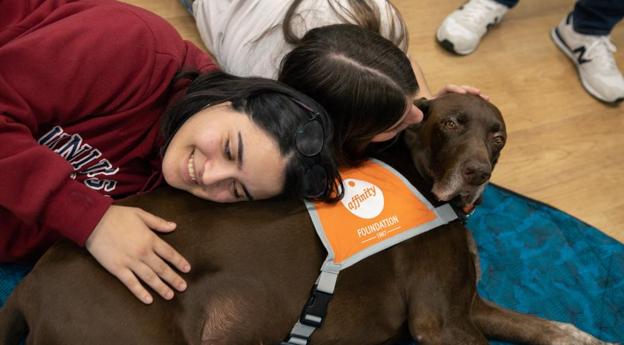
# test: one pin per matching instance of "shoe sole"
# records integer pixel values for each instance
(450, 47)
(554, 34)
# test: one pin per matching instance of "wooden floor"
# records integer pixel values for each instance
(565, 148)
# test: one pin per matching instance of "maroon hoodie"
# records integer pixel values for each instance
(83, 85)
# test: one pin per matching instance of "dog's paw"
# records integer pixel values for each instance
(570, 335)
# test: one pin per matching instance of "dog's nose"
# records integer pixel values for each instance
(476, 173)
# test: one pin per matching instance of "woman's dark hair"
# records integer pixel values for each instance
(277, 109)
(362, 79)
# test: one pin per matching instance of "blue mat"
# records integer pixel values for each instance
(10, 275)
(534, 259)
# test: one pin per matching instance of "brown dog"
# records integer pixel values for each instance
(254, 265)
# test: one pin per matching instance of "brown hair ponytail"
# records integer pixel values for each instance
(363, 13)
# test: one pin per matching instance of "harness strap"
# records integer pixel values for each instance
(326, 281)
(314, 311)
(368, 222)
(446, 213)
(299, 335)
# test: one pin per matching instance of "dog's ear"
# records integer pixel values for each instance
(423, 104)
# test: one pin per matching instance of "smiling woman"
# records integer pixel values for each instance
(226, 129)
(81, 128)
(214, 154)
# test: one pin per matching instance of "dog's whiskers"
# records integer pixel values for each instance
(449, 186)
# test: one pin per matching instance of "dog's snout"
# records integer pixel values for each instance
(476, 173)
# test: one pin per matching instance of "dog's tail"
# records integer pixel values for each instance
(502, 324)
(13, 325)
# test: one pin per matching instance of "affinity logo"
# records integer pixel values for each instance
(363, 199)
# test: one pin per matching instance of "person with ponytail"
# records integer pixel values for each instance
(349, 55)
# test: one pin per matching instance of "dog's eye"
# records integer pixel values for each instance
(499, 140)
(449, 124)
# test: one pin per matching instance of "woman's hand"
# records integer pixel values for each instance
(466, 89)
(124, 243)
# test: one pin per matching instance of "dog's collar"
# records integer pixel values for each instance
(464, 213)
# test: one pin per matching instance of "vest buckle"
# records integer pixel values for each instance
(316, 308)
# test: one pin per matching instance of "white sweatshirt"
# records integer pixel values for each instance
(245, 36)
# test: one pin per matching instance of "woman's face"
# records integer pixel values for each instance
(219, 154)
(411, 116)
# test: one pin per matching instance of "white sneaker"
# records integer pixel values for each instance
(462, 30)
(593, 57)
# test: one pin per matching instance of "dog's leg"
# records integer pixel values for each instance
(502, 324)
(457, 331)
(239, 310)
(12, 323)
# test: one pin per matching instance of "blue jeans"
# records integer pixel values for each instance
(590, 17)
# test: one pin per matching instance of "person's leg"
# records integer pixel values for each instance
(462, 30)
(584, 37)
(597, 17)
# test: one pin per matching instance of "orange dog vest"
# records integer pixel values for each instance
(380, 208)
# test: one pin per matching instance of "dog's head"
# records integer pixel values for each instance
(457, 145)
